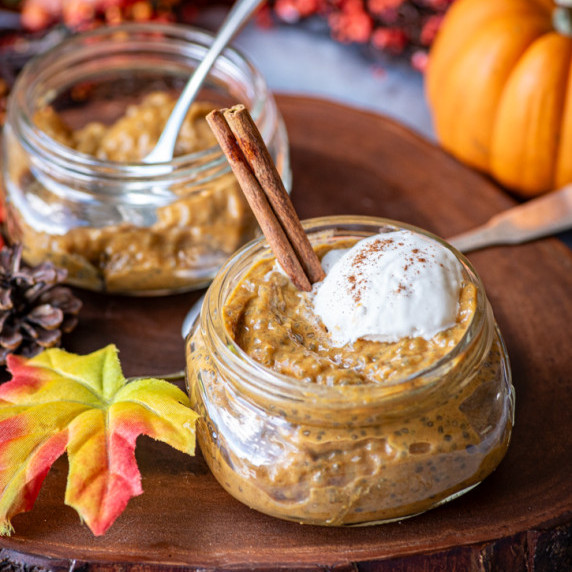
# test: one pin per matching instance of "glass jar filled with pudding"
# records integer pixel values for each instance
(82, 117)
(303, 426)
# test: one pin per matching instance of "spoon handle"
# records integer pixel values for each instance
(546, 215)
(238, 15)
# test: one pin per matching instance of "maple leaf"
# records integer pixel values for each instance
(58, 401)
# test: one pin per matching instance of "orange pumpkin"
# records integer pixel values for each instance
(499, 85)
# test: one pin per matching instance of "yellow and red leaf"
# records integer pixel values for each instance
(57, 402)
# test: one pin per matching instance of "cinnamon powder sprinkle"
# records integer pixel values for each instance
(375, 247)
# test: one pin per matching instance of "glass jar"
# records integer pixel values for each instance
(128, 227)
(347, 454)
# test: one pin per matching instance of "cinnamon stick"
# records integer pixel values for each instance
(254, 149)
(260, 181)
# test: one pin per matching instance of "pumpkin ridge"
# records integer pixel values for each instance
(463, 19)
(464, 119)
(563, 169)
(525, 139)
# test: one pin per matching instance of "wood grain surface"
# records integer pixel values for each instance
(346, 162)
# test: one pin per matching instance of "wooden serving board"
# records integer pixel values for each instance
(347, 162)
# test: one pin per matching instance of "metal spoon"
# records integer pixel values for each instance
(163, 150)
(546, 215)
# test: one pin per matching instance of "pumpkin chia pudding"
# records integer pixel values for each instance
(191, 231)
(380, 394)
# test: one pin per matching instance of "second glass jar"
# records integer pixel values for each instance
(128, 227)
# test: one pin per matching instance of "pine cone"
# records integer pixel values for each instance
(34, 308)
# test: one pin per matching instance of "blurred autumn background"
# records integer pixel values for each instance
(396, 28)
(496, 91)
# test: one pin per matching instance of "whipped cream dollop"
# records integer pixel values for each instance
(387, 287)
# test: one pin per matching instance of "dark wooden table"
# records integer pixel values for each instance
(346, 162)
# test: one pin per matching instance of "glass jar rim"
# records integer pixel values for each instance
(74, 47)
(261, 379)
